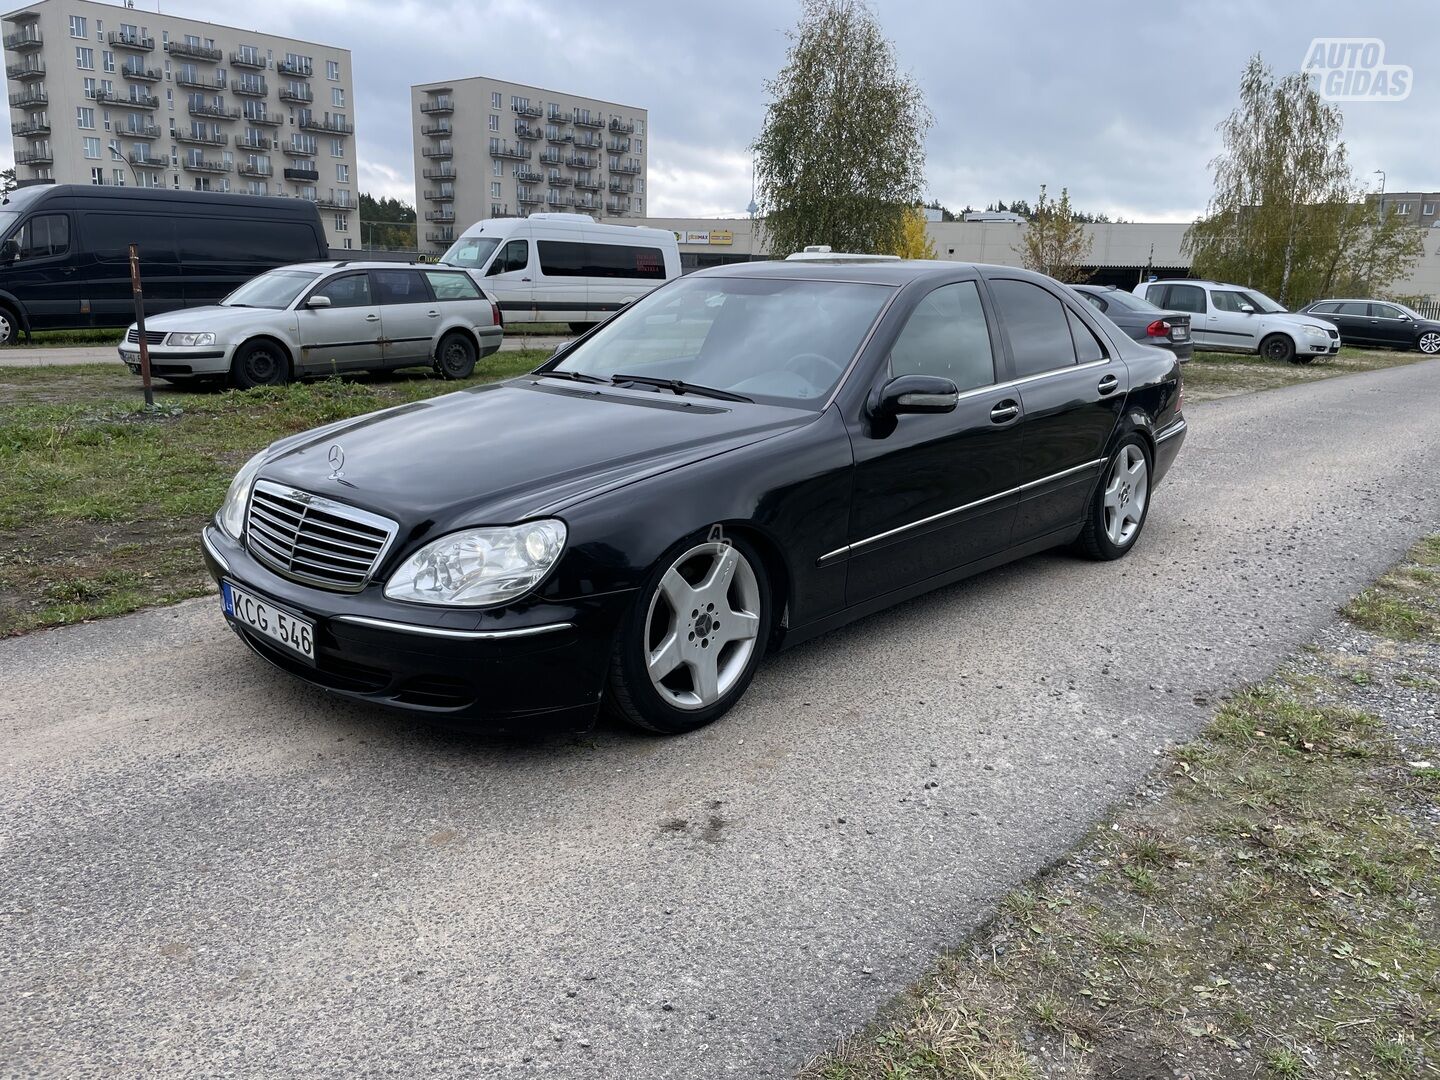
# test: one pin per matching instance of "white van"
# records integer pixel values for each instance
(565, 267)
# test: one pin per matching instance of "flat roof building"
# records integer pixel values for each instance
(486, 148)
(104, 94)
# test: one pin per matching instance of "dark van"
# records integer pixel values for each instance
(64, 258)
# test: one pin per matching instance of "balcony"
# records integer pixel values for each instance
(255, 168)
(256, 142)
(209, 138)
(623, 187)
(527, 197)
(439, 172)
(585, 202)
(146, 161)
(552, 157)
(528, 110)
(141, 73)
(341, 200)
(615, 209)
(203, 166)
(559, 138)
(440, 127)
(24, 41)
(35, 157)
(30, 98)
(581, 161)
(130, 101)
(556, 116)
(330, 126)
(443, 150)
(440, 236)
(618, 146)
(629, 169)
(558, 201)
(298, 95)
(621, 128)
(525, 131)
(526, 175)
(584, 119)
(588, 183)
(195, 82)
(26, 72)
(247, 60)
(588, 142)
(263, 119)
(29, 128)
(445, 194)
(516, 152)
(194, 52)
(249, 87)
(438, 106)
(138, 43)
(305, 176)
(442, 216)
(219, 112)
(558, 180)
(300, 69)
(140, 131)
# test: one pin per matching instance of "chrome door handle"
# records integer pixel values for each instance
(524, 279)
(1004, 412)
(1108, 384)
(372, 318)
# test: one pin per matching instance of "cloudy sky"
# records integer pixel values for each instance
(1117, 101)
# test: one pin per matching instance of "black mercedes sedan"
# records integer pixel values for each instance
(745, 458)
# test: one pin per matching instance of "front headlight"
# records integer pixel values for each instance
(477, 567)
(1317, 331)
(232, 510)
(187, 340)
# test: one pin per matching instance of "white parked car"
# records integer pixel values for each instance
(325, 318)
(1232, 318)
(565, 268)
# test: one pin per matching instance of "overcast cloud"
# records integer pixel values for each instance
(1117, 101)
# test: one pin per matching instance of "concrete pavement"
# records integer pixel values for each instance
(207, 868)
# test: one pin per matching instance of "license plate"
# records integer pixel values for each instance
(265, 617)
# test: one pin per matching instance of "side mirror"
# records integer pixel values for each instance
(10, 250)
(1247, 309)
(917, 394)
(318, 302)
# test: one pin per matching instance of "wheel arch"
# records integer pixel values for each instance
(285, 347)
(777, 569)
(468, 332)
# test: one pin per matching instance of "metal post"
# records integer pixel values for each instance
(140, 325)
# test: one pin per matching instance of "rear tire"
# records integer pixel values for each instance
(455, 358)
(1429, 343)
(1121, 503)
(260, 363)
(1279, 348)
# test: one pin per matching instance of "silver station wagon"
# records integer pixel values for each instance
(325, 318)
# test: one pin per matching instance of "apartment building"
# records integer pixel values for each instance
(104, 94)
(487, 148)
(1420, 207)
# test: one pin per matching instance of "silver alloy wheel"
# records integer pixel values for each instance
(7, 329)
(1126, 490)
(702, 625)
(1430, 343)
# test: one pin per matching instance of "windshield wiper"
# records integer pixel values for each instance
(577, 376)
(680, 387)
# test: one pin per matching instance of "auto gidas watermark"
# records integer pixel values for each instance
(1354, 69)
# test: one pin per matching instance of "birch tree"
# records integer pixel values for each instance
(1055, 241)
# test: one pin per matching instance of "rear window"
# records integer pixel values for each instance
(450, 286)
(560, 258)
(1037, 324)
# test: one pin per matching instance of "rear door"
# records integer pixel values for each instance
(1189, 299)
(1071, 392)
(1351, 318)
(346, 335)
(409, 313)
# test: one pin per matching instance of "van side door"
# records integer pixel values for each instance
(510, 281)
(103, 279)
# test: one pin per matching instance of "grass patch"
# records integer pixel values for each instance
(83, 336)
(1271, 908)
(101, 505)
(1212, 375)
(1402, 604)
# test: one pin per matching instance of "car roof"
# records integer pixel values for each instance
(366, 264)
(894, 274)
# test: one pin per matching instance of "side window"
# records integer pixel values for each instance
(347, 290)
(561, 259)
(1226, 301)
(514, 256)
(947, 336)
(108, 237)
(1186, 298)
(1036, 325)
(43, 235)
(450, 286)
(1353, 308)
(1384, 311)
(399, 287)
(1087, 347)
(1156, 295)
(1325, 309)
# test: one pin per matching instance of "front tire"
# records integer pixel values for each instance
(455, 359)
(260, 363)
(1121, 504)
(1280, 349)
(691, 642)
(1429, 343)
(9, 327)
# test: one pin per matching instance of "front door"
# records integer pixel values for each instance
(45, 276)
(1071, 393)
(1229, 325)
(935, 491)
(1352, 319)
(410, 314)
(1391, 326)
(344, 335)
(510, 280)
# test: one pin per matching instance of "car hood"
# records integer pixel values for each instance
(505, 452)
(211, 319)
(1296, 319)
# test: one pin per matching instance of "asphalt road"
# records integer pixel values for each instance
(208, 869)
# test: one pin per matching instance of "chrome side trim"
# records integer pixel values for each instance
(848, 548)
(1174, 429)
(993, 388)
(210, 547)
(454, 635)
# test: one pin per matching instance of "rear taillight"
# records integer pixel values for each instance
(1158, 328)
(495, 311)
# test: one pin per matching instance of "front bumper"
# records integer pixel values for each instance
(166, 362)
(539, 664)
(1313, 346)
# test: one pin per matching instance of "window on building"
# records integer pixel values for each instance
(84, 58)
(337, 147)
(342, 222)
(495, 189)
(332, 70)
(494, 122)
(107, 60)
(89, 89)
(495, 99)
(342, 174)
(85, 117)
(1427, 210)
(497, 168)
(119, 175)
(77, 26)
(337, 96)
(97, 175)
(92, 148)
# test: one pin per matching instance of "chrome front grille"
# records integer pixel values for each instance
(315, 540)
(152, 337)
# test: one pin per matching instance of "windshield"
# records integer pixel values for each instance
(471, 251)
(784, 340)
(277, 289)
(1260, 301)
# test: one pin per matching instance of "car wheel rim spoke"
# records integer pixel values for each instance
(702, 625)
(1126, 493)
